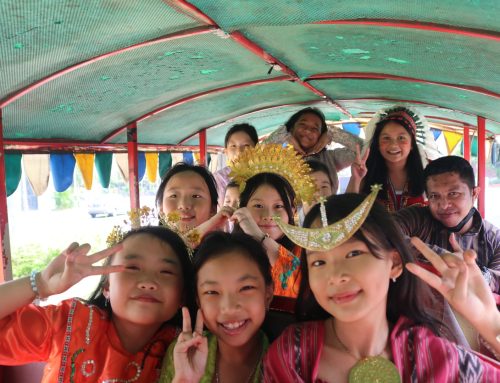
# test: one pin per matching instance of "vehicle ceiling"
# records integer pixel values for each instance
(81, 71)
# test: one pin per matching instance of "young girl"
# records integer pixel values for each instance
(190, 191)
(393, 159)
(324, 185)
(121, 333)
(234, 290)
(232, 195)
(264, 196)
(370, 320)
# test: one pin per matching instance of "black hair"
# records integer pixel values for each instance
(169, 237)
(219, 243)
(295, 117)
(318, 166)
(285, 191)
(408, 296)
(182, 167)
(451, 164)
(245, 128)
(232, 184)
(377, 168)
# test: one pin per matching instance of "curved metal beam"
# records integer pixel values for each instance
(384, 76)
(37, 84)
(190, 98)
(439, 28)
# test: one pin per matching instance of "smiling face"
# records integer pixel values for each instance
(323, 184)
(188, 194)
(394, 143)
(233, 297)
(263, 204)
(307, 130)
(149, 291)
(232, 197)
(236, 144)
(450, 198)
(350, 283)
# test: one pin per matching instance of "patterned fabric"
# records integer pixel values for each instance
(482, 237)
(286, 272)
(396, 201)
(79, 344)
(418, 354)
(222, 179)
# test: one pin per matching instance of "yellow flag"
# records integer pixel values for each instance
(452, 140)
(151, 166)
(85, 162)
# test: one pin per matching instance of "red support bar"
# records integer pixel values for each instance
(5, 264)
(481, 163)
(133, 166)
(203, 147)
(480, 34)
(466, 143)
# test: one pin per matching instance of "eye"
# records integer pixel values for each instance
(354, 253)
(132, 267)
(279, 206)
(317, 263)
(167, 272)
(210, 292)
(247, 288)
(453, 194)
(196, 196)
(172, 196)
(433, 197)
(257, 206)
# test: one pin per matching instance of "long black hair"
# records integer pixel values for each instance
(377, 168)
(408, 296)
(167, 236)
(285, 191)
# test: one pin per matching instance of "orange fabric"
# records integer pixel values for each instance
(33, 334)
(286, 272)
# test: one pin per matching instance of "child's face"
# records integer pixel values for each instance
(149, 291)
(233, 297)
(350, 283)
(188, 194)
(236, 144)
(232, 197)
(394, 143)
(307, 130)
(322, 183)
(264, 203)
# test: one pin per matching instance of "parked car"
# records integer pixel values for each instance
(108, 206)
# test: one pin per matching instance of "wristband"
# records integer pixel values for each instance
(34, 287)
(266, 235)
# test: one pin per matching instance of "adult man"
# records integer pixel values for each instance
(451, 191)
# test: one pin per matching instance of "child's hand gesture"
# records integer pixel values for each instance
(71, 266)
(461, 283)
(358, 167)
(191, 350)
(246, 222)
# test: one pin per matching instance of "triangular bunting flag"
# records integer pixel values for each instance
(37, 170)
(12, 171)
(187, 157)
(165, 163)
(152, 166)
(452, 139)
(352, 127)
(103, 163)
(141, 164)
(122, 162)
(85, 162)
(62, 166)
(436, 133)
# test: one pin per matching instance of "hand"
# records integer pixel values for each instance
(246, 222)
(358, 167)
(191, 349)
(71, 266)
(461, 282)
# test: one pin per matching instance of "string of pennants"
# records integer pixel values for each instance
(61, 166)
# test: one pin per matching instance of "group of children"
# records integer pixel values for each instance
(158, 315)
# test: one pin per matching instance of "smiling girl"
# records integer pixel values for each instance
(121, 333)
(234, 290)
(366, 318)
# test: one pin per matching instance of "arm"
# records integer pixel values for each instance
(68, 268)
(464, 287)
(215, 222)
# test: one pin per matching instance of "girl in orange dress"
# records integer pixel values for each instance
(121, 333)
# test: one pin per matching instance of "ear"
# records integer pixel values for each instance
(475, 192)
(269, 295)
(397, 264)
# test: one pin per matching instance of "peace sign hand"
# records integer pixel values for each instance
(358, 167)
(461, 282)
(71, 266)
(191, 350)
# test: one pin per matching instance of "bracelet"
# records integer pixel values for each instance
(34, 287)
(266, 235)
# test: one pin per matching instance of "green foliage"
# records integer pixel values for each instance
(31, 257)
(65, 199)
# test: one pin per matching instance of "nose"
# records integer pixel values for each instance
(184, 203)
(229, 302)
(337, 274)
(266, 213)
(147, 282)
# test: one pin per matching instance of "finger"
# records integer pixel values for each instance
(430, 278)
(93, 258)
(77, 251)
(198, 326)
(429, 254)
(184, 345)
(454, 244)
(186, 321)
(358, 153)
(100, 270)
(461, 283)
(366, 154)
(470, 256)
(71, 247)
(452, 260)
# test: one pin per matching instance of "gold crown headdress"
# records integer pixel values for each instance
(330, 236)
(145, 216)
(272, 158)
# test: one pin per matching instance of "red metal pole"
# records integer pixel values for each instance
(5, 264)
(203, 147)
(481, 164)
(466, 143)
(133, 166)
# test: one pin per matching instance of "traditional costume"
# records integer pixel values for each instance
(79, 343)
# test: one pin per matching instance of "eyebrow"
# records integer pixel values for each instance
(168, 261)
(243, 278)
(189, 188)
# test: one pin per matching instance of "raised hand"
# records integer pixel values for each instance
(191, 350)
(71, 266)
(358, 167)
(461, 282)
(246, 222)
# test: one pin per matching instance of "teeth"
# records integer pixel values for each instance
(233, 325)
